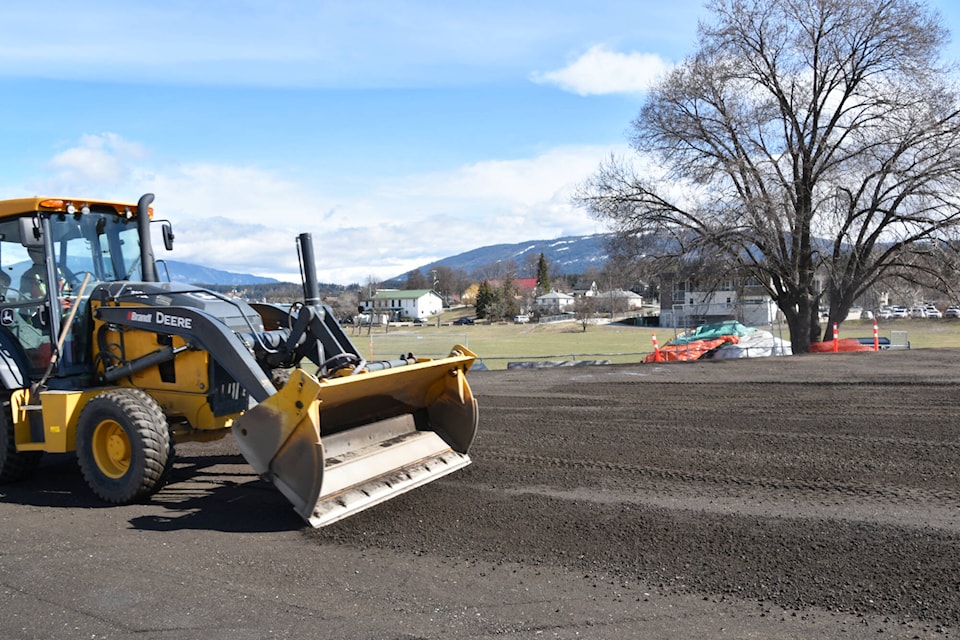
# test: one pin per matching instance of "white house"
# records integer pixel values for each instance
(402, 304)
(585, 288)
(618, 300)
(688, 306)
(554, 303)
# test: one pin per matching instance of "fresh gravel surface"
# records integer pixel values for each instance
(804, 497)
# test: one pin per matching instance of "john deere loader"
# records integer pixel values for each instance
(98, 356)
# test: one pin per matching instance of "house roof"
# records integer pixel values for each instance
(555, 295)
(619, 293)
(523, 285)
(402, 294)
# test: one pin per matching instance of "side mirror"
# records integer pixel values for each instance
(168, 236)
(31, 234)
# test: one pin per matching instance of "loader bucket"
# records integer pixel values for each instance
(339, 445)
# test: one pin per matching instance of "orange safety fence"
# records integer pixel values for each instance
(846, 344)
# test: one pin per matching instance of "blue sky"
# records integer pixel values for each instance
(396, 133)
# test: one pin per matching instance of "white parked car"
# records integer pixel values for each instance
(521, 319)
(933, 312)
(885, 313)
(918, 312)
(899, 312)
(952, 312)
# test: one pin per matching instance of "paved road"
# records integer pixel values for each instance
(805, 497)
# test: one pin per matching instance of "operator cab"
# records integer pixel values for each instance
(46, 252)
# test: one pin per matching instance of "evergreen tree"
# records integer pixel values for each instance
(508, 298)
(487, 300)
(543, 274)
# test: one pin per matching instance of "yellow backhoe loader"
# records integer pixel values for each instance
(98, 356)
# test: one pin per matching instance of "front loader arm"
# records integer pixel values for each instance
(309, 332)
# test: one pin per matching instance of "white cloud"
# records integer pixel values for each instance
(246, 219)
(103, 158)
(602, 71)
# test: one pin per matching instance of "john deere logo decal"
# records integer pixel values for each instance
(159, 317)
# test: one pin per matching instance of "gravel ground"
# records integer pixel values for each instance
(803, 497)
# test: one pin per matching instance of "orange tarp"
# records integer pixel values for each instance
(690, 351)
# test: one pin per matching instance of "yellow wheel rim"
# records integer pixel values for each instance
(111, 449)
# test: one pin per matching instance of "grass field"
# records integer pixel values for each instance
(498, 344)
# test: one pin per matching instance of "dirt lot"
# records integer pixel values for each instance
(804, 497)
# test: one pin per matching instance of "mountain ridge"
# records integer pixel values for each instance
(567, 255)
(188, 273)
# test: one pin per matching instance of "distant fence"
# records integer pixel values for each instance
(637, 318)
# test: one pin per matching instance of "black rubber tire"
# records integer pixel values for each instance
(123, 445)
(14, 465)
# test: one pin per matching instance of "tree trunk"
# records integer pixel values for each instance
(803, 321)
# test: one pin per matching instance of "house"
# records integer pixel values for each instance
(585, 288)
(469, 296)
(684, 303)
(618, 301)
(523, 286)
(401, 304)
(554, 303)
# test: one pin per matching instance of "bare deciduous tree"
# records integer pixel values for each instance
(802, 138)
(585, 310)
(496, 270)
(416, 280)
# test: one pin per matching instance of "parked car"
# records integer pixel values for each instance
(463, 320)
(933, 312)
(521, 319)
(918, 312)
(952, 312)
(885, 313)
(866, 315)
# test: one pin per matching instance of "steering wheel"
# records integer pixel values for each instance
(71, 279)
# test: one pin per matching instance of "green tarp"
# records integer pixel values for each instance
(712, 332)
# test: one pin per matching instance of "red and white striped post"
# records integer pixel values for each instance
(656, 348)
(836, 338)
(876, 336)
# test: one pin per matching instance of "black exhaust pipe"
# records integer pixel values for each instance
(308, 270)
(148, 268)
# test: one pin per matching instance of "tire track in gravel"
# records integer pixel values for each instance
(799, 490)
